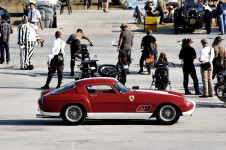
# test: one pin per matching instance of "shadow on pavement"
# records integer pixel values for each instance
(59, 122)
(209, 105)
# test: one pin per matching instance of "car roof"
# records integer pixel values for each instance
(98, 80)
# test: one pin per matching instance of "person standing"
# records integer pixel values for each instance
(5, 31)
(208, 16)
(87, 4)
(76, 48)
(206, 55)
(188, 54)
(56, 60)
(26, 41)
(149, 45)
(219, 61)
(126, 42)
(105, 5)
(221, 9)
(34, 17)
(160, 8)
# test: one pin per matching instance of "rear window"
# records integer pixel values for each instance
(63, 88)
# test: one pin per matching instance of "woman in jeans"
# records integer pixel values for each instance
(222, 16)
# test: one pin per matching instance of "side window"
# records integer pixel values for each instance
(103, 89)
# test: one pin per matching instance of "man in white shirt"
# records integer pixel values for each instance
(56, 60)
(34, 17)
(206, 55)
(26, 41)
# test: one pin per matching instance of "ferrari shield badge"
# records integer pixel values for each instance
(131, 98)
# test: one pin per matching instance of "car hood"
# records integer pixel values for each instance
(155, 92)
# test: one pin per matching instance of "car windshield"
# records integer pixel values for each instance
(120, 87)
(63, 88)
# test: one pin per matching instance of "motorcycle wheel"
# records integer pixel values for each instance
(108, 70)
(220, 91)
(122, 76)
(149, 68)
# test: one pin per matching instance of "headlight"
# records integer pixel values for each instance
(201, 13)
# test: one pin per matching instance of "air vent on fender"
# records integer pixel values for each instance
(143, 108)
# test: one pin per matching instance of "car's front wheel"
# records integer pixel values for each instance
(74, 115)
(168, 114)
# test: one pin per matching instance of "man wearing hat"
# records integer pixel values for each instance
(148, 8)
(26, 41)
(206, 56)
(34, 17)
(126, 41)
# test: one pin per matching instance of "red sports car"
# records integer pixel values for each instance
(106, 98)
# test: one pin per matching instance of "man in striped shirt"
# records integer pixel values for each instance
(26, 40)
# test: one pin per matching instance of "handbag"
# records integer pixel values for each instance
(60, 56)
(205, 66)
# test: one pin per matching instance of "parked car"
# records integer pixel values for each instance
(189, 16)
(47, 9)
(5, 11)
(106, 98)
(131, 4)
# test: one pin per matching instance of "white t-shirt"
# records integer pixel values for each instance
(206, 54)
(57, 45)
(35, 15)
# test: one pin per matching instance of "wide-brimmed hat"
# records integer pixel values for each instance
(148, 1)
(123, 25)
(204, 41)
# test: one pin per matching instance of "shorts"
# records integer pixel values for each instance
(87, 2)
(128, 55)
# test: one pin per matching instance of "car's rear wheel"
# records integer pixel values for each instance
(168, 114)
(74, 115)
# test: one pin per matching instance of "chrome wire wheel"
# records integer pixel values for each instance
(168, 114)
(73, 113)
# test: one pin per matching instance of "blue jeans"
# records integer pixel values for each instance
(4, 47)
(222, 19)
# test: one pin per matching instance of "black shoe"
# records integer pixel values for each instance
(140, 71)
(45, 87)
(203, 96)
(210, 95)
(188, 93)
(198, 93)
(72, 74)
(58, 86)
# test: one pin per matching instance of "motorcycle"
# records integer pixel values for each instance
(161, 76)
(89, 67)
(149, 63)
(220, 87)
(122, 66)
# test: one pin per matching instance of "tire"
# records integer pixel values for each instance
(176, 23)
(108, 70)
(168, 114)
(149, 68)
(219, 89)
(123, 76)
(73, 115)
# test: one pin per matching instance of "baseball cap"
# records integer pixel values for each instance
(24, 17)
(123, 25)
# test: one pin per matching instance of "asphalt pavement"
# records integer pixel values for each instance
(20, 90)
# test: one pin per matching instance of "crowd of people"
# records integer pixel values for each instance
(212, 58)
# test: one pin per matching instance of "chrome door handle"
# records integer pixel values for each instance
(92, 95)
